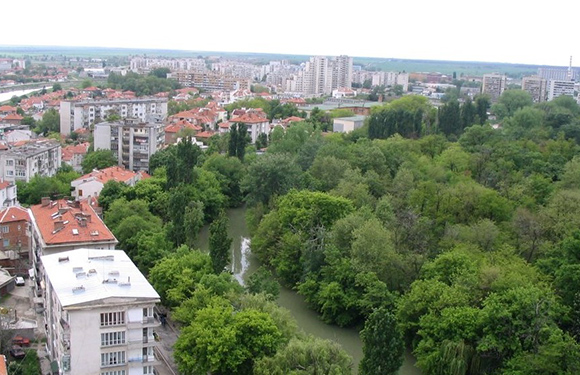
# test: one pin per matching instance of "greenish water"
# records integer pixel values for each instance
(244, 263)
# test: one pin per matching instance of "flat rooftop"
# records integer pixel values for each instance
(84, 277)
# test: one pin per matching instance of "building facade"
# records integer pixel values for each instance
(558, 88)
(99, 314)
(494, 85)
(132, 141)
(21, 163)
(84, 113)
(536, 87)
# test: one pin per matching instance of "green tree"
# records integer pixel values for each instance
(193, 221)
(223, 342)
(219, 243)
(270, 175)
(99, 159)
(309, 356)
(262, 281)
(383, 345)
(510, 101)
(50, 122)
(482, 104)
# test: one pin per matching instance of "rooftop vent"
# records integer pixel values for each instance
(114, 273)
(103, 257)
(75, 231)
(78, 289)
(92, 271)
(62, 259)
(110, 281)
(81, 275)
(77, 269)
(94, 233)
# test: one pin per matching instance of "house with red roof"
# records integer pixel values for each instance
(62, 225)
(73, 155)
(6, 110)
(15, 239)
(91, 184)
(172, 130)
(256, 121)
(13, 118)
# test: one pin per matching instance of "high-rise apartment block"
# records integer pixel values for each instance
(84, 113)
(558, 88)
(99, 314)
(493, 85)
(132, 140)
(21, 163)
(321, 75)
(536, 87)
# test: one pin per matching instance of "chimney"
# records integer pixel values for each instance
(87, 217)
(45, 201)
(58, 224)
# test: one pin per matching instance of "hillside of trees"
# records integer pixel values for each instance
(428, 228)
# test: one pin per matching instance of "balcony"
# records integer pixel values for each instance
(139, 361)
(146, 322)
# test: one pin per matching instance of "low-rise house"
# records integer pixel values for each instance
(15, 238)
(256, 121)
(91, 184)
(74, 155)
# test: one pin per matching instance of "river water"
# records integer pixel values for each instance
(5, 96)
(244, 263)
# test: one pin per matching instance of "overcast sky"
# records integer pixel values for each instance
(510, 31)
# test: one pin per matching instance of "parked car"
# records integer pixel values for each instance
(22, 341)
(20, 281)
(17, 352)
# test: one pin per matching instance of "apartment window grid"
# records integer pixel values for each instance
(112, 359)
(5, 228)
(115, 372)
(113, 338)
(112, 319)
(148, 370)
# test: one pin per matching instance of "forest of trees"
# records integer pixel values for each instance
(429, 228)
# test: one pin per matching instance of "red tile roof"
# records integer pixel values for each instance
(13, 116)
(206, 134)
(250, 118)
(59, 221)
(115, 173)
(69, 151)
(7, 108)
(14, 213)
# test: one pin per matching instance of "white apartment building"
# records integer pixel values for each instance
(321, 75)
(391, 79)
(132, 141)
(91, 184)
(536, 87)
(99, 314)
(21, 163)
(558, 88)
(84, 113)
(494, 85)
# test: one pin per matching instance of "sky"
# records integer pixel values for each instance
(532, 32)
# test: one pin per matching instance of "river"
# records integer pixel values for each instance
(245, 263)
(5, 96)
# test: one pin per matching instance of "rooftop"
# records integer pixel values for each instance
(83, 277)
(12, 214)
(64, 222)
(116, 173)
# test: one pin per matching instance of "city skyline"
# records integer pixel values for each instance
(444, 30)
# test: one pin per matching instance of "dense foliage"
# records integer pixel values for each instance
(460, 237)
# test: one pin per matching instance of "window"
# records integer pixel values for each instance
(9, 162)
(112, 338)
(5, 228)
(112, 319)
(112, 359)
(116, 372)
(148, 370)
(6, 242)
